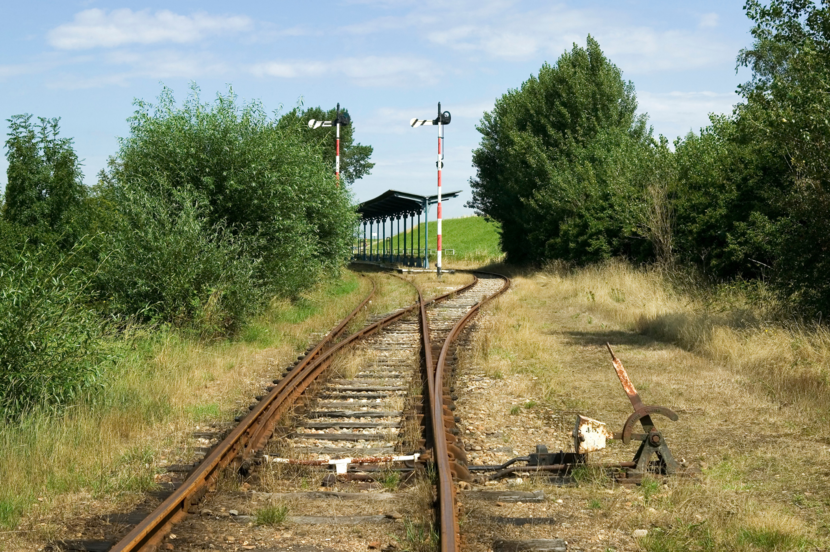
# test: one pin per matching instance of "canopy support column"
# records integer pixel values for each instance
(426, 233)
(419, 237)
(405, 255)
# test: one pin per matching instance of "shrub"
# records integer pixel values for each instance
(49, 338)
(272, 515)
(166, 263)
(256, 179)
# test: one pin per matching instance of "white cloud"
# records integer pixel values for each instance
(365, 71)
(98, 28)
(77, 82)
(40, 64)
(7, 71)
(637, 49)
(161, 64)
(676, 113)
(502, 30)
(169, 64)
(709, 20)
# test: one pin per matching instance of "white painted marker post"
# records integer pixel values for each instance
(442, 119)
(339, 119)
(337, 154)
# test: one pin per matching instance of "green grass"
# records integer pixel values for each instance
(682, 538)
(204, 412)
(472, 238)
(649, 488)
(11, 509)
(272, 515)
(389, 480)
(770, 539)
(419, 537)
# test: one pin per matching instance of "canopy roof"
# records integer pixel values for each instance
(392, 203)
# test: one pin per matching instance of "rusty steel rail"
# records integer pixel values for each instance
(239, 443)
(255, 429)
(441, 417)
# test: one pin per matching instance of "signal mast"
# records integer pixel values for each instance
(340, 119)
(442, 119)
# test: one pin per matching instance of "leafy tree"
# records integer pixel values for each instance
(259, 180)
(354, 157)
(45, 184)
(787, 101)
(657, 215)
(729, 182)
(559, 162)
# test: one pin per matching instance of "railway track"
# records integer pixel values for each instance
(349, 442)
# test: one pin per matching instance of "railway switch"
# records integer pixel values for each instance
(591, 435)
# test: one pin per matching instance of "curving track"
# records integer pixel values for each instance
(358, 418)
(449, 451)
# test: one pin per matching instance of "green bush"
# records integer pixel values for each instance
(164, 262)
(260, 180)
(49, 338)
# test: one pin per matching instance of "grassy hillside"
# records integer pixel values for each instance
(472, 238)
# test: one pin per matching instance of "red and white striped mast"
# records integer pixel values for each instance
(442, 119)
(339, 119)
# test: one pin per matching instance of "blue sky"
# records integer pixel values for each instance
(386, 60)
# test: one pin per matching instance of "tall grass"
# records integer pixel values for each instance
(741, 325)
(748, 381)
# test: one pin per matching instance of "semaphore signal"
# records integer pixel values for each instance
(442, 119)
(340, 119)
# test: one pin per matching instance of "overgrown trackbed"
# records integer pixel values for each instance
(411, 349)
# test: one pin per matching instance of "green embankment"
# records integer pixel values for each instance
(469, 238)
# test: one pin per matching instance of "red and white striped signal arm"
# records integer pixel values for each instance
(312, 124)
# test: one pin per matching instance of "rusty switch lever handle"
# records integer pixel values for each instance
(628, 387)
(641, 411)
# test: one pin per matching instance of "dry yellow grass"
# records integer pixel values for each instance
(791, 362)
(752, 398)
(102, 454)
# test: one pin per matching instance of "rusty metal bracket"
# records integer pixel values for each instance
(544, 458)
(653, 442)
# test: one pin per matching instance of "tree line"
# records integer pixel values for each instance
(206, 212)
(571, 171)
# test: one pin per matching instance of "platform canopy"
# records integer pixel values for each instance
(393, 203)
(379, 230)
